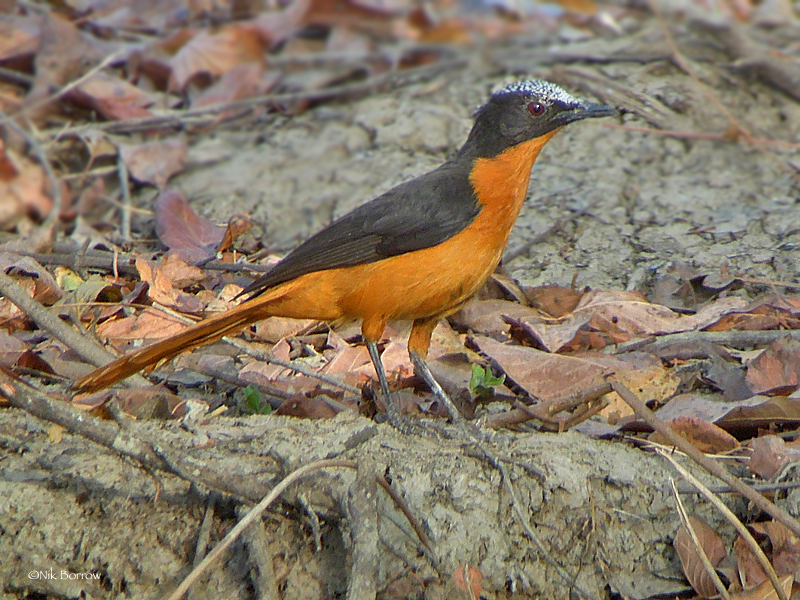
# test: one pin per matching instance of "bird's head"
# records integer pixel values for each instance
(525, 110)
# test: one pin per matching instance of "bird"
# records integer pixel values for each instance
(418, 252)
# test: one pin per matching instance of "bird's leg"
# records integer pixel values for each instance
(418, 343)
(391, 409)
(422, 369)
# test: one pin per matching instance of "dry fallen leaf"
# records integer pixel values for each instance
(155, 162)
(749, 571)
(19, 36)
(217, 52)
(190, 236)
(547, 376)
(64, 54)
(24, 268)
(307, 408)
(692, 565)
(113, 98)
(703, 435)
(770, 454)
(162, 290)
(468, 579)
(557, 301)
(777, 370)
(765, 591)
(149, 326)
(785, 555)
(22, 189)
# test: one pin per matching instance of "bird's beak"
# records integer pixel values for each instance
(584, 110)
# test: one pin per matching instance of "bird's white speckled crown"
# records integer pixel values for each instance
(543, 90)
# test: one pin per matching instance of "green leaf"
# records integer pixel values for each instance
(252, 402)
(483, 381)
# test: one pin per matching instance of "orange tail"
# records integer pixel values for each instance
(205, 332)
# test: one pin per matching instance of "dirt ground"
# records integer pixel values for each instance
(602, 510)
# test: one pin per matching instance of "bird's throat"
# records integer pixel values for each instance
(501, 182)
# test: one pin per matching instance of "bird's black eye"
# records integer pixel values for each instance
(536, 108)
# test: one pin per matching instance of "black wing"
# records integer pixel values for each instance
(415, 215)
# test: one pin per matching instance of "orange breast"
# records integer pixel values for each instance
(430, 282)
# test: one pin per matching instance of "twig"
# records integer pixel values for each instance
(55, 185)
(313, 520)
(727, 338)
(16, 76)
(779, 71)
(759, 487)
(418, 530)
(253, 515)
(543, 552)
(732, 518)
(72, 84)
(122, 175)
(698, 135)
(273, 395)
(362, 512)
(294, 366)
(102, 260)
(258, 543)
(159, 455)
(709, 568)
(100, 432)
(680, 60)
(546, 410)
(709, 465)
(205, 532)
(182, 119)
(86, 347)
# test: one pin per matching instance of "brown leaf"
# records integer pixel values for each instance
(748, 567)
(628, 312)
(162, 291)
(274, 329)
(180, 274)
(547, 376)
(31, 361)
(19, 36)
(785, 546)
(151, 325)
(468, 579)
(775, 410)
(486, 316)
(216, 53)
(770, 454)
(64, 55)
(777, 369)
(238, 224)
(275, 27)
(155, 162)
(307, 408)
(112, 97)
(44, 286)
(765, 591)
(550, 334)
(148, 403)
(191, 237)
(700, 406)
(703, 435)
(243, 81)
(692, 565)
(22, 189)
(555, 300)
